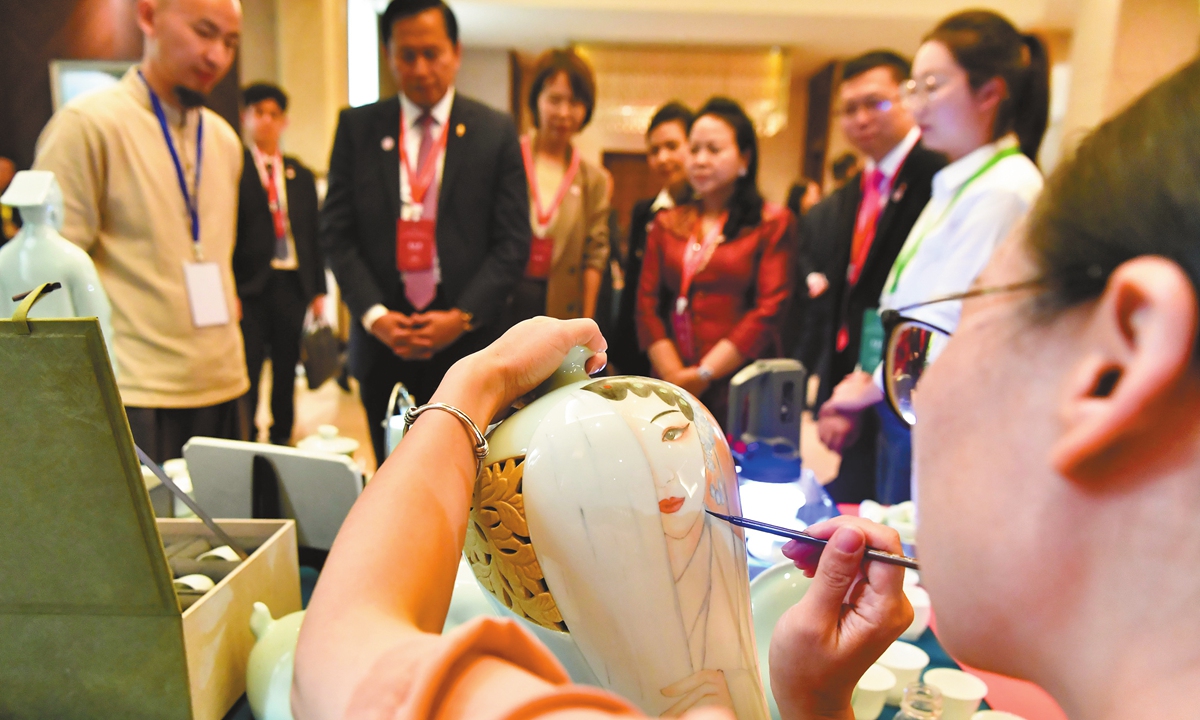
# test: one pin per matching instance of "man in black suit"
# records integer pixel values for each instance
(666, 155)
(276, 262)
(863, 227)
(439, 178)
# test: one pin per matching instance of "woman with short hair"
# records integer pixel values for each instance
(568, 196)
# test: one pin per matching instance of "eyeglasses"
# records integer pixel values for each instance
(872, 105)
(913, 345)
(922, 90)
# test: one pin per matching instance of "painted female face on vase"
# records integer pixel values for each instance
(671, 442)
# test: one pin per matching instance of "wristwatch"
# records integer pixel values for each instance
(705, 374)
(468, 320)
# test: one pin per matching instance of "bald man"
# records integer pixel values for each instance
(150, 179)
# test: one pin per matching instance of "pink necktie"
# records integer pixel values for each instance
(420, 287)
(869, 210)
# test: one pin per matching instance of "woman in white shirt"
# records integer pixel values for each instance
(980, 94)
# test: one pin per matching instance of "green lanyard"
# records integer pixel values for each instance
(912, 246)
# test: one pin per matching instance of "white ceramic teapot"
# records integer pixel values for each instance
(589, 521)
(272, 660)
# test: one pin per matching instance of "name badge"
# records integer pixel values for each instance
(541, 250)
(206, 294)
(415, 245)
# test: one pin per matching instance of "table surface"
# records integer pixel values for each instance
(1004, 693)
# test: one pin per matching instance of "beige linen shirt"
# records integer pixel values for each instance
(124, 206)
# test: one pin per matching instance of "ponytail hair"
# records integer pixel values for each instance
(987, 46)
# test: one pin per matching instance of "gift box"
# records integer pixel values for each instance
(90, 625)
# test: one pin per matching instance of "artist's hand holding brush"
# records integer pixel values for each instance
(850, 614)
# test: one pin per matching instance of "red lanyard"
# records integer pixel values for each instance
(420, 181)
(269, 167)
(545, 216)
(695, 254)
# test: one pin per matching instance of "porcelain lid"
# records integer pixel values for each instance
(327, 440)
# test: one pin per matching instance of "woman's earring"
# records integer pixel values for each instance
(742, 172)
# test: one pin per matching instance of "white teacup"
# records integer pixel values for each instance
(961, 692)
(219, 553)
(995, 715)
(906, 662)
(195, 582)
(921, 612)
(871, 692)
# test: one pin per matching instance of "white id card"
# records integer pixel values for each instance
(206, 295)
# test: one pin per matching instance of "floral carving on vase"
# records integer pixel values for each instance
(499, 550)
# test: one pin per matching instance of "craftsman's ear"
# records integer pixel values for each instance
(1133, 390)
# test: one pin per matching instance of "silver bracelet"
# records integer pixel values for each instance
(481, 443)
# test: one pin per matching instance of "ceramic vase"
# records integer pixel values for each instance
(588, 522)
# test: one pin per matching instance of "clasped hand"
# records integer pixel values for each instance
(420, 335)
(838, 422)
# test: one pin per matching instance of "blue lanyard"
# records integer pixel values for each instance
(191, 202)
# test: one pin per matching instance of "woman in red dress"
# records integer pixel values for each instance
(717, 272)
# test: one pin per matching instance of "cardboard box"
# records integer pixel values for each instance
(89, 622)
(216, 630)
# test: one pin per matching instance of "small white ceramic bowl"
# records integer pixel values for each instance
(961, 692)
(906, 662)
(871, 692)
(771, 594)
(195, 582)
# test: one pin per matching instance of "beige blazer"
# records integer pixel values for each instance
(580, 232)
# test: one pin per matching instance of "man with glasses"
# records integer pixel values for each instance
(865, 224)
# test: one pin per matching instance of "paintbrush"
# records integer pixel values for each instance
(880, 555)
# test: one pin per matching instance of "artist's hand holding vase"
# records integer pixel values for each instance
(589, 521)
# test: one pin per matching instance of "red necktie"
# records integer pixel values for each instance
(864, 235)
(864, 225)
(281, 247)
(420, 287)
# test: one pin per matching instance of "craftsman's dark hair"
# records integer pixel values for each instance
(259, 91)
(579, 75)
(673, 111)
(746, 203)
(987, 46)
(400, 9)
(900, 67)
(1132, 188)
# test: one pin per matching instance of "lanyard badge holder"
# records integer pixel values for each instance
(541, 248)
(206, 292)
(415, 237)
(695, 258)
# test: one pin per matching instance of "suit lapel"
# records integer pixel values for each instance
(848, 219)
(388, 127)
(891, 210)
(289, 180)
(455, 154)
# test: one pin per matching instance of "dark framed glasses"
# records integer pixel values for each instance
(912, 345)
